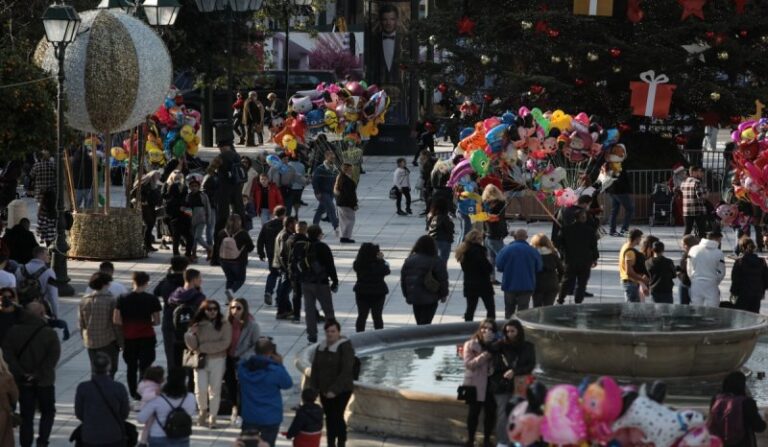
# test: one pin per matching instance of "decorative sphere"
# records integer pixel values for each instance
(117, 72)
(714, 96)
(592, 56)
(723, 55)
(526, 25)
(433, 40)
(556, 59)
(485, 60)
(616, 69)
(764, 38)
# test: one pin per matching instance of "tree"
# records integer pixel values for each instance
(539, 53)
(330, 54)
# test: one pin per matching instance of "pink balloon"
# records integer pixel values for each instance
(459, 171)
(523, 111)
(746, 125)
(490, 123)
(583, 118)
(736, 136)
(340, 110)
(354, 88)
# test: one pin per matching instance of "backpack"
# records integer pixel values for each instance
(29, 288)
(296, 256)
(228, 250)
(726, 419)
(237, 174)
(178, 424)
(309, 267)
(182, 315)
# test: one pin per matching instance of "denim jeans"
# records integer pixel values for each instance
(283, 298)
(274, 275)
(444, 250)
(326, 205)
(621, 200)
(31, 397)
(268, 433)
(210, 227)
(466, 225)
(631, 291)
(165, 442)
(265, 216)
(234, 272)
(84, 198)
(494, 246)
(197, 238)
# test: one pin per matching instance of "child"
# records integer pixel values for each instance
(402, 182)
(200, 206)
(307, 426)
(682, 272)
(149, 388)
(662, 272)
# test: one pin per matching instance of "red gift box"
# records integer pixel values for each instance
(653, 96)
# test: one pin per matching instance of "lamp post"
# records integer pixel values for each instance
(61, 24)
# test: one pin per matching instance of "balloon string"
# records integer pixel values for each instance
(546, 210)
(17, 84)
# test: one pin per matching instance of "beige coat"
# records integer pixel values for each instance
(476, 367)
(9, 395)
(210, 341)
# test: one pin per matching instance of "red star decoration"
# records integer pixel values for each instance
(740, 4)
(466, 26)
(692, 8)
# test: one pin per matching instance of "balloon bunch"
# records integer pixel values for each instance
(602, 413)
(176, 131)
(731, 216)
(533, 149)
(750, 159)
(353, 111)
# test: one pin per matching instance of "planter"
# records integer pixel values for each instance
(115, 236)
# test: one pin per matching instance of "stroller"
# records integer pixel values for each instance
(661, 205)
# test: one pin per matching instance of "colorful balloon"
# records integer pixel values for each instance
(187, 133)
(480, 163)
(179, 148)
(119, 153)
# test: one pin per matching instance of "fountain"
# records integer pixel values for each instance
(409, 377)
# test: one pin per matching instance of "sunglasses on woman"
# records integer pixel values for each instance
(236, 308)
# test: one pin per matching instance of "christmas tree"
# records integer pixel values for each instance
(582, 55)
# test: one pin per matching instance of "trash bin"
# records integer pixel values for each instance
(17, 210)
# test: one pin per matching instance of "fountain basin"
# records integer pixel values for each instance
(691, 348)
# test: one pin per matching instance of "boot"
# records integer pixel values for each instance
(202, 419)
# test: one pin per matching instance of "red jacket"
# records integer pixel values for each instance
(273, 195)
(238, 105)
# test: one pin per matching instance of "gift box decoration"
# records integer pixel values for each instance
(593, 7)
(652, 96)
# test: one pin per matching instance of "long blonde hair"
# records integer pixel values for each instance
(541, 240)
(4, 370)
(491, 192)
(473, 237)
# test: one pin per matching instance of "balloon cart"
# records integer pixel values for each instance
(118, 235)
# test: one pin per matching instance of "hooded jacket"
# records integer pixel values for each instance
(261, 380)
(333, 367)
(477, 271)
(519, 263)
(308, 419)
(706, 263)
(412, 276)
(265, 244)
(41, 354)
(165, 289)
(749, 277)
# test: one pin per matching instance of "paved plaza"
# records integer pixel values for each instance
(376, 222)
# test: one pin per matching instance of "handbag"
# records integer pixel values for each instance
(430, 282)
(193, 359)
(393, 193)
(467, 393)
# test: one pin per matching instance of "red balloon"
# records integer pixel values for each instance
(442, 88)
(553, 33)
(354, 88)
(487, 97)
(579, 82)
(710, 35)
(536, 89)
(615, 52)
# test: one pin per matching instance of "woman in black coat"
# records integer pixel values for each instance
(175, 195)
(722, 413)
(370, 288)
(150, 201)
(473, 257)
(424, 280)
(749, 277)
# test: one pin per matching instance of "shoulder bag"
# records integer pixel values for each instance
(193, 359)
(127, 429)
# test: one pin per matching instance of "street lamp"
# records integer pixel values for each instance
(161, 12)
(125, 5)
(206, 5)
(61, 24)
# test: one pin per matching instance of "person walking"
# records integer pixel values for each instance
(184, 303)
(345, 191)
(706, 268)
(265, 247)
(620, 192)
(266, 197)
(177, 216)
(237, 118)
(9, 397)
(234, 245)
(632, 267)
(733, 414)
(101, 405)
(694, 198)
(333, 377)
(370, 288)
(661, 273)
(253, 119)
(210, 187)
(424, 280)
(317, 269)
(262, 379)
(477, 359)
(551, 274)
(20, 242)
(282, 175)
(298, 239)
(174, 397)
(440, 228)
(115, 287)
(197, 202)
(280, 261)
(578, 242)
(323, 182)
(45, 290)
(231, 177)
(426, 164)
(82, 177)
(252, 176)
(749, 277)
(136, 313)
(478, 271)
(513, 362)
(496, 226)
(43, 175)
(401, 179)
(209, 336)
(151, 199)
(306, 429)
(519, 264)
(32, 350)
(300, 181)
(245, 336)
(97, 327)
(173, 280)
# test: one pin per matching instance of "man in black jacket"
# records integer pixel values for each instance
(102, 406)
(265, 246)
(229, 192)
(82, 177)
(317, 268)
(172, 281)
(580, 253)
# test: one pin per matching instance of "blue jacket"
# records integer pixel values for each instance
(261, 380)
(519, 262)
(324, 179)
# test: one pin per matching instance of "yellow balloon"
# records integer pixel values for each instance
(187, 133)
(151, 146)
(118, 153)
(192, 149)
(331, 119)
(156, 157)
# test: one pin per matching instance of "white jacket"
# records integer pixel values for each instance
(706, 263)
(402, 178)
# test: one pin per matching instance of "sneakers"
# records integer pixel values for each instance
(588, 295)
(212, 422)
(202, 419)
(285, 316)
(296, 320)
(617, 234)
(268, 299)
(346, 240)
(401, 213)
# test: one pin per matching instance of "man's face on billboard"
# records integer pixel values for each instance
(388, 22)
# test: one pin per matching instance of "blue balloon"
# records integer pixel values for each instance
(467, 206)
(467, 131)
(495, 137)
(611, 138)
(508, 118)
(169, 102)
